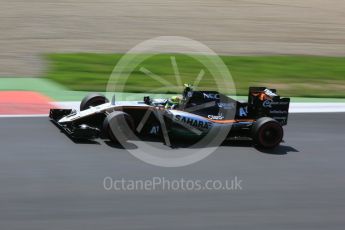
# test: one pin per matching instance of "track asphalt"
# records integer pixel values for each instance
(49, 182)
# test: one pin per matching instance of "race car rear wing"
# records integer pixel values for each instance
(264, 102)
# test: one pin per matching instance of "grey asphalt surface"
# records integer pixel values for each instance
(49, 182)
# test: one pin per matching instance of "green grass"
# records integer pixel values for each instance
(303, 76)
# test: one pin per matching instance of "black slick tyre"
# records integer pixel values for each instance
(92, 99)
(118, 126)
(267, 133)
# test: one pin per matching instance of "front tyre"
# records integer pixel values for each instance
(91, 100)
(267, 133)
(118, 126)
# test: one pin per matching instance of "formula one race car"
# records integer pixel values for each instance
(194, 114)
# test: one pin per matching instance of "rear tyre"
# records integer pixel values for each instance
(267, 133)
(92, 99)
(118, 126)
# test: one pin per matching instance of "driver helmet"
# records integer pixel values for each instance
(173, 102)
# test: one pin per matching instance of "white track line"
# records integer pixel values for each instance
(317, 107)
(295, 107)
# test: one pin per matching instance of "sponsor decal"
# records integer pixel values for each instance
(267, 104)
(270, 93)
(226, 105)
(243, 111)
(193, 122)
(280, 103)
(154, 129)
(216, 117)
(278, 112)
(211, 95)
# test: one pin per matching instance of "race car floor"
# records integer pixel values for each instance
(49, 182)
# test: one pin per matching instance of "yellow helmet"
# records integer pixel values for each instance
(175, 99)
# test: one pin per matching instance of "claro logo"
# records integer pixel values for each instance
(216, 117)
